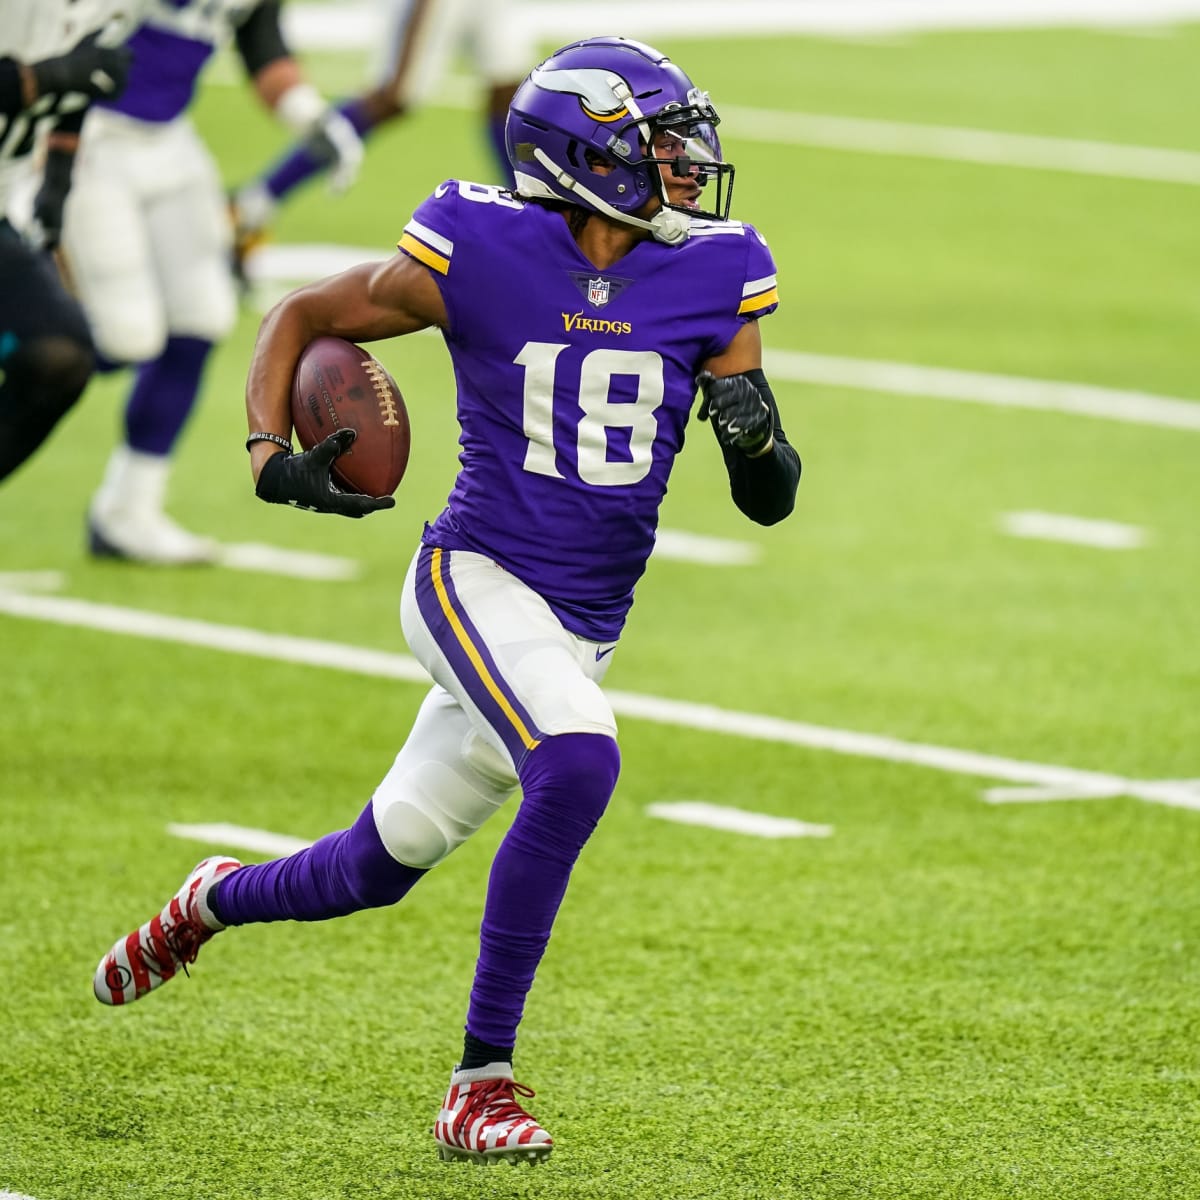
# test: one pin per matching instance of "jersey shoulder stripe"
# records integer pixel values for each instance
(427, 246)
(759, 294)
(754, 286)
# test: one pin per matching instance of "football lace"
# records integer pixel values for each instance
(383, 389)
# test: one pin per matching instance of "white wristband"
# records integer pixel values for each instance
(301, 107)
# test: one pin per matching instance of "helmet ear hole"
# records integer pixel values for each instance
(597, 163)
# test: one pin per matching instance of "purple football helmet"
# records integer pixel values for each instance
(593, 122)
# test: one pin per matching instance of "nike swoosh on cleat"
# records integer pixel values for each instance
(601, 653)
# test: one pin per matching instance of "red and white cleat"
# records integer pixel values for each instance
(168, 942)
(482, 1122)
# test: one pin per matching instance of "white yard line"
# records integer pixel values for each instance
(674, 545)
(1049, 795)
(975, 387)
(306, 261)
(877, 746)
(736, 820)
(298, 564)
(874, 375)
(725, 722)
(135, 622)
(640, 18)
(31, 581)
(347, 26)
(957, 144)
(240, 837)
(950, 143)
(1045, 795)
(1078, 531)
(711, 816)
(344, 26)
(679, 546)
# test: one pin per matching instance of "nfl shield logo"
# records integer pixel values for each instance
(597, 292)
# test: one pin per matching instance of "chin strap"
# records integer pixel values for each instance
(668, 225)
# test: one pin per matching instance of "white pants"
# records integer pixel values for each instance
(418, 38)
(147, 236)
(507, 675)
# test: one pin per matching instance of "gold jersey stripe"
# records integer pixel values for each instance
(422, 253)
(752, 303)
(464, 640)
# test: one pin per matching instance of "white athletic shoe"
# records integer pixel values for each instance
(482, 1122)
(168, 942)
(148, 538)
(127, 518)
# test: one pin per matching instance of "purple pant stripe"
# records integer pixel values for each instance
(485, 685)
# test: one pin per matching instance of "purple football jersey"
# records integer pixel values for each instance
(574, 385)
(162, 75)
(174, 40)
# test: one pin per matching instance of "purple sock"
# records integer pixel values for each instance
(566, 784)
(342, 873)
(163, 395)
(356, 113)
(300, 164)
(495, 130)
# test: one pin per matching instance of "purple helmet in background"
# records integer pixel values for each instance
(600, 103)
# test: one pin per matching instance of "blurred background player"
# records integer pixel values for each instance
(147, 239)
(51, 67)
(416, 43)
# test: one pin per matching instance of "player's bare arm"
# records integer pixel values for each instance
(764, 469)
(743, 354)
(364, 304)
(282, 86)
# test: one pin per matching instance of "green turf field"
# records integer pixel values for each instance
(944, 998)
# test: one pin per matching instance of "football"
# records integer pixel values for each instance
(338, 385)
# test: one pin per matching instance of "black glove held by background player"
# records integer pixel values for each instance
(303, 480)
(96, 71)
(739, 413)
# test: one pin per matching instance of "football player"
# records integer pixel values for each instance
(574, 392)
(416, 42)
(52, 65)
(147, 240)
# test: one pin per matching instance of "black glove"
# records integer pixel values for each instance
(739, 413)
(46, 230)
(303, 480)
(96, 71)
